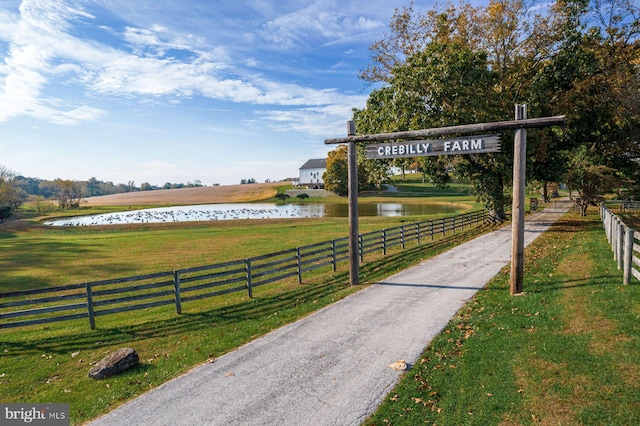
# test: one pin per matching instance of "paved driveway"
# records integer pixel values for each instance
(331, 368)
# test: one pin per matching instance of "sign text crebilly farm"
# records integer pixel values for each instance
(423, 148)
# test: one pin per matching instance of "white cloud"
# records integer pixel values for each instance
(8, 25)
(323, 19)
(161, 63)
(36, 37)
(319, 121)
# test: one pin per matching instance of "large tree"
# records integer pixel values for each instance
(336, 176)
(594, 78)
(457, 65)
(460, 64)
(11, 194)
(438, 87)
(68, 192)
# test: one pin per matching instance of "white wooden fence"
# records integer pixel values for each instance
(625, 242)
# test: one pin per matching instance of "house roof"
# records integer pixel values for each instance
(317, 163)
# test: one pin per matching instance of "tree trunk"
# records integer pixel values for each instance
(497, 215)
(584, 204)
(545, 193)
(497, 212)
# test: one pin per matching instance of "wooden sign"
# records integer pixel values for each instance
(424, 148)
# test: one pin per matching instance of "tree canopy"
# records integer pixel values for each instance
(11, 194)
(459, 64)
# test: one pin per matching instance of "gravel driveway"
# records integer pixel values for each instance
(332, 367)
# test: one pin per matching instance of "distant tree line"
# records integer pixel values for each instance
(15, 189)
(252, 180)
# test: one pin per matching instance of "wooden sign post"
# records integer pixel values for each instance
(354, 240)
(455, 146)
(517, 219)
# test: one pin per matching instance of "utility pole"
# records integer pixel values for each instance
(517, 224)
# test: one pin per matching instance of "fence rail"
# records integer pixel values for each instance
(625, 242)
(92, 299)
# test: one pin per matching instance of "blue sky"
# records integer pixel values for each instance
(177, 91)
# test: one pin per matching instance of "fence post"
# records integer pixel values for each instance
(176, 285)
(402, 237)
(249, 279)
(384, 242)
(418, 231)
(628, 254)
(619, 245)
(92, 320)
(431, 229)
(361, 248)
(299, 264)
(614, 233)
(333, 255)
(444, 226)
(610, 225)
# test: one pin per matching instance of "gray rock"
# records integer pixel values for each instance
(114, 363)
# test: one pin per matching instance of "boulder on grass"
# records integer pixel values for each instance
(114, 363)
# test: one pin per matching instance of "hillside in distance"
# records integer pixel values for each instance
(185, 196)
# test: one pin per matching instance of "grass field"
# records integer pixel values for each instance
(565, 353)
(36, 256)
(50, 363)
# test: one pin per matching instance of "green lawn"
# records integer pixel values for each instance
(50, 363)
(566, 352)
(36, 256)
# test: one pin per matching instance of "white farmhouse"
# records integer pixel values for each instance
(311, 173)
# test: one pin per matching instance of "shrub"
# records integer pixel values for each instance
(5, 212)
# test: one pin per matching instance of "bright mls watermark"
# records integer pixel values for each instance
(35, 414)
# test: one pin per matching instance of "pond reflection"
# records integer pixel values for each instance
(207, 212)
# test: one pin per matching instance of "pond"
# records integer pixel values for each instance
(206, 212)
